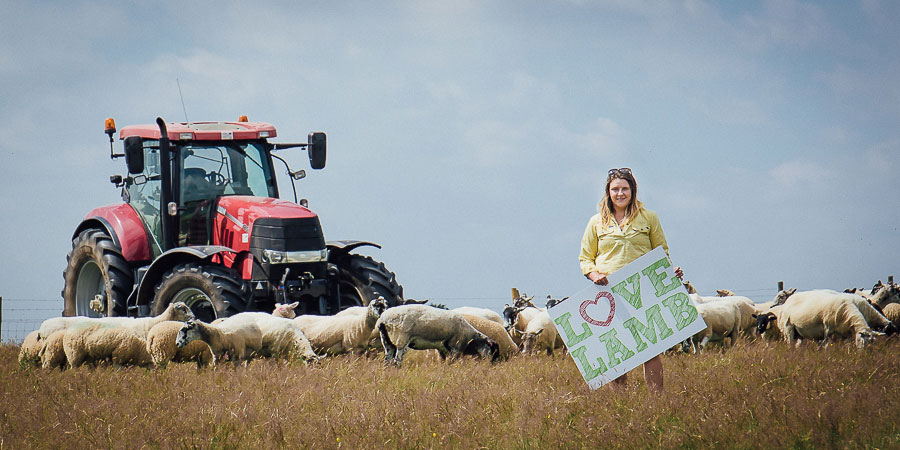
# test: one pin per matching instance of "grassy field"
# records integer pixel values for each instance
(756, 395)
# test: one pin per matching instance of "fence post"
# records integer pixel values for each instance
(780, 286)
(890, 279)
(1, 318)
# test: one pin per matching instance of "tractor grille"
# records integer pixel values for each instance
(287, 234)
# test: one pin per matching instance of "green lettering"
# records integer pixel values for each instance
(634, 297)
(589, 372)
(573, 339)
(615, 349)
(654, 322)
(659, 279)
(680, 306)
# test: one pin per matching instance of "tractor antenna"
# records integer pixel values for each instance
(182, 101)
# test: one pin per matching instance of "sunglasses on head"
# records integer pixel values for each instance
(622, 171)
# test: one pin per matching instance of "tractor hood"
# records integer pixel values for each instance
(241, 211)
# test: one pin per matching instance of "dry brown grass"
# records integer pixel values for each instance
(756, 395)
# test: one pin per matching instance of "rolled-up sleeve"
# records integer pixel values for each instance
(589, 248)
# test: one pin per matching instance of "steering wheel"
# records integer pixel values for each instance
(216, 178)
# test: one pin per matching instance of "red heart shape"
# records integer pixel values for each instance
(591, 320)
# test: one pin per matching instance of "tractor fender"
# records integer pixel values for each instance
(125, 228)
(170, 259)
(338, 249)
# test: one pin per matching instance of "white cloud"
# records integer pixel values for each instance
(605, 140)
(794, 176)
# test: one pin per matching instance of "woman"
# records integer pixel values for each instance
(621, 232)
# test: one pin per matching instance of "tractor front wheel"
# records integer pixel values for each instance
(98, 279)
(210, 290)
(362, 279)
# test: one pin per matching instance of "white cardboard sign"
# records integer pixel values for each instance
(642, 312)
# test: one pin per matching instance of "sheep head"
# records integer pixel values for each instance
(484, 347)
(179, 312)
(782, 296)
(724, 293)
(510, 313)
(864, 337)
(690, 287)
(186, 334)
(528, 340)
(378, 305)
(285, 310)
(762, 322)
(524, 301)
(551, 302)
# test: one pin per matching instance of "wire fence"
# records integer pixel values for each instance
(20, 316)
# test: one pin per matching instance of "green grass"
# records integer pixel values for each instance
(756, 395)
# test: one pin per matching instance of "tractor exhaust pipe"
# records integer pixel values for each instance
(168, 221)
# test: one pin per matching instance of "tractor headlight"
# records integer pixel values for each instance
(304, 256)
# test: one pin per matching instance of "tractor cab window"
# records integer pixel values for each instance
(209, 171)
(144, 194)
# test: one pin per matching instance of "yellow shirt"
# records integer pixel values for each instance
(606, 249)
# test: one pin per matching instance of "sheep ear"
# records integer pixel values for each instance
(293, 305)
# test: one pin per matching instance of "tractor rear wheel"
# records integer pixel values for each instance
(362, 279)
(98, 279)
(210, 290)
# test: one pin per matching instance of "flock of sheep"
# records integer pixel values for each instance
(820, 315)
(175, 335)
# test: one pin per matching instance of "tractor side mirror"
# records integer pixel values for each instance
(134, 154)
(316, 149)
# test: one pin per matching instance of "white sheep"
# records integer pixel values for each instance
(496, 332)
(723, 320)
(30, 351)
(93, 341)
(281, 337)
(421, 327)
(285, 310)
(177, 311)
(238, 343)
(823, 314)
(876, 320)
(342, 333)
(52, 353)
(480, 312)
(162, 346)
(540, 334)
(885, 296)
(517, 319)
(892, 313)
(747, 307)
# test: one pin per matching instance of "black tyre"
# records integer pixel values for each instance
(96, 270)
(210, 290)
(362, 279)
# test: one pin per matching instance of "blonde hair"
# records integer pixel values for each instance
(606, 206)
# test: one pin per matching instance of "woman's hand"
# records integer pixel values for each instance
(679, 273)
(598, 278)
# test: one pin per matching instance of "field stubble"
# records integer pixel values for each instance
(756, 395)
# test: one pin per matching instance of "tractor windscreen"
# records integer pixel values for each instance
(235, 168)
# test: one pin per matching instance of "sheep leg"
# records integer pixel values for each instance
(389, 348)
(398, 358)
(703, 342)
(790, 334)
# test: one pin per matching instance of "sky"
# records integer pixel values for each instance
(471, 139)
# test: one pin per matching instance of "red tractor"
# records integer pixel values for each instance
(202, 223)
